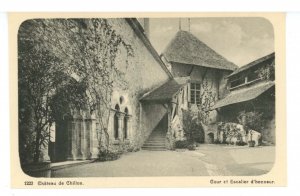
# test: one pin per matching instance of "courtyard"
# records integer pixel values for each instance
(206, 160)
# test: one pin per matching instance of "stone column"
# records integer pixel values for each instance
(70, 140)
(88, 131)
(110, 125)
(83, 138)
(78, 127)
(74, 140)
(120, 126)
(94, 138)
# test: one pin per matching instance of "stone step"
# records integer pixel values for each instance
(155, 141)
(156, 138)
(154, 149)
(154, 144)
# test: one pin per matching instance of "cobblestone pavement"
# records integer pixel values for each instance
(207, 160)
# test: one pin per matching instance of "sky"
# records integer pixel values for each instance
(239, 40)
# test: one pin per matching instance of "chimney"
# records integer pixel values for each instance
(147, 27)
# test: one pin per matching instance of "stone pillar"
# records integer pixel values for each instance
(70, 140)
(120, 126)
(74, 140)
(83, 139)
(78, 127)
(88, 131)
(94, 138)
(128, 119)
(111, 125)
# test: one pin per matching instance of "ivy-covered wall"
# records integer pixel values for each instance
(142, 74)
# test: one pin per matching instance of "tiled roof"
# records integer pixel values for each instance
(253, 63)
(166, 91)
(187, 49)
(244, 94)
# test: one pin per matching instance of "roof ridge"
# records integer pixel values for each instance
(186, 48)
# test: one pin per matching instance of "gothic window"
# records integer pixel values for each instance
(195, 93)
(116, 122)
(125, 126)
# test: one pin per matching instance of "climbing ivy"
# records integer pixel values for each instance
(84, 49)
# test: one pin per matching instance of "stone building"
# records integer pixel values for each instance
(252, 88)
(148, 110)
(199, 81)
(130, 121)
(188, 75)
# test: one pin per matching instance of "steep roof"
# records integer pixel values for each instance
(244, 94)
(166, 91)
(186, 48)
(252, 64)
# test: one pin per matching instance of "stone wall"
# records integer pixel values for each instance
(142, 73)
(215, 79)
(139, 74)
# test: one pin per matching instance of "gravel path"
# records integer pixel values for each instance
(207, 160)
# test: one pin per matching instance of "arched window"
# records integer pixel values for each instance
(125, 127)
(116, 122)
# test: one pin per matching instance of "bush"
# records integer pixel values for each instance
(108, 156)
(182, 144)
(185, 145)
(192, 146)
(192, 127)
(217, 142)
(252, 120)
(240, 143)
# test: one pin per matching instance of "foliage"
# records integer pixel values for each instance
(185, 144)
(240, 143)
(182, 144)
(170, 141)
(49, 50)
(208, 98)
(108, 156)
(267, 72)
(252, 120)
(192, 146)
(192, 127)
(230, 133)
(38, 73)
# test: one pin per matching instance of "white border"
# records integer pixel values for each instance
(293, 103)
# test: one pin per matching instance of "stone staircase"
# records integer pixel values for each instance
(156, 140)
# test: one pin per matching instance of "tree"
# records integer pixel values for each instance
(87, 50)
(37, 74)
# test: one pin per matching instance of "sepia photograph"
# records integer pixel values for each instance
(146, 97)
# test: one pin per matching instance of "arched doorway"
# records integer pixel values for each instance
(210, 138)
(68, 97)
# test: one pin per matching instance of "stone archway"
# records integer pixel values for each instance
(210, 138)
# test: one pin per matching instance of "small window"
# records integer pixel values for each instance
(195, 93)
(237, 82)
